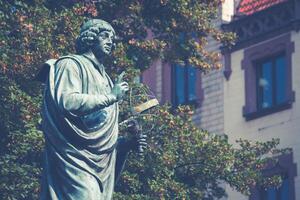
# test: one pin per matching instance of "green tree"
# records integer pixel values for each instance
(182, 162)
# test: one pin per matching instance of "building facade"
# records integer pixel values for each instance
(256, 95)
(262, 86)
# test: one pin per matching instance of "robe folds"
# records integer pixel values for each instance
(80, 125)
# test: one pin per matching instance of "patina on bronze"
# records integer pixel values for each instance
(83, 152)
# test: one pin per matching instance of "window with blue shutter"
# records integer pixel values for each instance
(184, 85)
(271, 82)
(272, 193)
(268, 77)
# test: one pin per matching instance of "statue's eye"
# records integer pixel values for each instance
(104, 35)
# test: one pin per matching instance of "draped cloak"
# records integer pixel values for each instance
(80, 124)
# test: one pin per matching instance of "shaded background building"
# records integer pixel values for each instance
(256, 95)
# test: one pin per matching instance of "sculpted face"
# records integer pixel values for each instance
(105, 42)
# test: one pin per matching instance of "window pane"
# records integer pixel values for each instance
(192, 83)
(266, 85)
(280, 80)
(284, 190)
(179, 84)
(263, 194)
(271, 194)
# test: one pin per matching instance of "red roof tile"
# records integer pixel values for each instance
(248, 7)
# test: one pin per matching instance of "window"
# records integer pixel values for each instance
(184, 83)
(281, 193)
(288, 169)
(268, 77)
(271, 82)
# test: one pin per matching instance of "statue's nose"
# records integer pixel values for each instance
(109, 40)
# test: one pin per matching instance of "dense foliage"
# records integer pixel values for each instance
(182, 162)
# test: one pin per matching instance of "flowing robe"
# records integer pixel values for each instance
(80, 124)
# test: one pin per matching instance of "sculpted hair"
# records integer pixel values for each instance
(89, 34)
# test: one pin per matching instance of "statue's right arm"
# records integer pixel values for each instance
(68, 87)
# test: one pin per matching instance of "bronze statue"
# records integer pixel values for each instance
(83, 153)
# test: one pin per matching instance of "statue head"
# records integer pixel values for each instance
(96, 35)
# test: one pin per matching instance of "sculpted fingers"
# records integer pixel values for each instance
(119, 89)
(142, 144)
(142, 138)
(120, 77)
(124, 83)
(124, 86)
(142, 141)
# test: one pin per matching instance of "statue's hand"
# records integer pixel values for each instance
(120, 87)
(139, 141)
(141, 144)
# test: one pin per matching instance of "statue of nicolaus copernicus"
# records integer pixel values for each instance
(80, 120)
